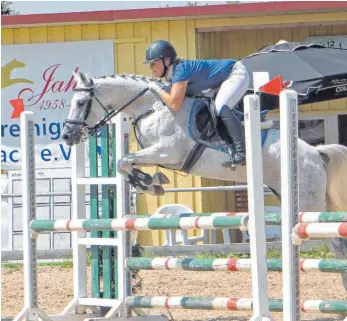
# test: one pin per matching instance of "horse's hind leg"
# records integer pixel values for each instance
(337, 246)
(313, 199)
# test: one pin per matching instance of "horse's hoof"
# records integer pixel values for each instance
(160, 179)
(155, 190)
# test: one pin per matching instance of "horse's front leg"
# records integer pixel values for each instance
(141, 183)
(154, 155)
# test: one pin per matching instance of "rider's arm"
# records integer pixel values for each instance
(175, 98)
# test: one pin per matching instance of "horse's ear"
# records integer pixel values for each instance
(76, 76)
(84, 79)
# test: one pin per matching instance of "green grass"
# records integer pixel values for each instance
(221, 256)
(65, 263)
(14, 266)
(314, 253)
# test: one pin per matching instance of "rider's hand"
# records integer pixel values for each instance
(156, 87)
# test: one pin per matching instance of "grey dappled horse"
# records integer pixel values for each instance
(166, 141)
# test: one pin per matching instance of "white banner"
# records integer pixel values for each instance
(41, 75)
(338, 42)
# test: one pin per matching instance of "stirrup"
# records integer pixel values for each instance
(232, 164)
(229, 164)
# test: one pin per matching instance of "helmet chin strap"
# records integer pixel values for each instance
(169, 73)
(165, 68)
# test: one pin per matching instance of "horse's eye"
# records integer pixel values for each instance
(80, 103)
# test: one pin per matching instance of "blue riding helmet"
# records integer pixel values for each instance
(160, 49)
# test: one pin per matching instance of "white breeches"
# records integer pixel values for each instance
(233, 88)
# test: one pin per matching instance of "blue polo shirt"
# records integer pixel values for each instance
(202, 74)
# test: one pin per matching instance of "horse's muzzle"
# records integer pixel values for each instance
(71, 134)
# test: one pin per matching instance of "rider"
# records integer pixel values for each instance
(193, 76)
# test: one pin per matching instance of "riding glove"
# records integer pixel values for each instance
(156, 87)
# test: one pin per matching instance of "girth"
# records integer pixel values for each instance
(206, 134)
(136, 120)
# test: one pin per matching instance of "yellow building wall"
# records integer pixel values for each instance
(130, 42)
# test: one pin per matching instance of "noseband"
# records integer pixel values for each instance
(109, 115)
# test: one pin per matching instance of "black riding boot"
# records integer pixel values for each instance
(236, 134)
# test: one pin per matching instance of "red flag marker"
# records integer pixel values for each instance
(18, 107)
(273, 87)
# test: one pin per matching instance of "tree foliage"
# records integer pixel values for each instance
(6, 9)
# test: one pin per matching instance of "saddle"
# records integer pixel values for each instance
(208, 131)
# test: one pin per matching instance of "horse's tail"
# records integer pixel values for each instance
(335, 159)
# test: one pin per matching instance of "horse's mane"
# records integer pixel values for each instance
(131, 76)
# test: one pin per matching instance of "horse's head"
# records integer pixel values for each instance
(94, 98)
(85, 111)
